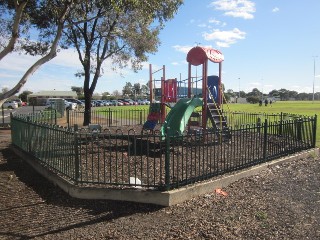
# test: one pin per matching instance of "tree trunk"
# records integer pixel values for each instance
(87, 108)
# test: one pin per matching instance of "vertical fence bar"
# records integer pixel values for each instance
(280, 125)
(265, 139)
(76, 152)
(167, 161)
(314, 131)
(68, 117)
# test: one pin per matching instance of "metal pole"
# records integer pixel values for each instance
(314, 76)
(239, 87)
(150, 83)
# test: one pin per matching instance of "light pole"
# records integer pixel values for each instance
(239, 87)
(314, 76)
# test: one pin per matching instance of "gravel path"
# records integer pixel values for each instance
(282, 202)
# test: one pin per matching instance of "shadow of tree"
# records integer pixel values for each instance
(31, 206)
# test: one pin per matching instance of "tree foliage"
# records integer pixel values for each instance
(48, 17)
(123, 31)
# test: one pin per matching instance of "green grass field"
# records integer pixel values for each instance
(297, 107)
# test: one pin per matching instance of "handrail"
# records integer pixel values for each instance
(232, 113)
(218, 109)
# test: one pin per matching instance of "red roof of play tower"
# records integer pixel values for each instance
(198, 55)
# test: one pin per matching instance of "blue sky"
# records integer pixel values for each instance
(267, 44)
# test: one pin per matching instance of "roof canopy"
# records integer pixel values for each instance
(198, 55)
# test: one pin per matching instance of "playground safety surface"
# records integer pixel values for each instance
(282, 202)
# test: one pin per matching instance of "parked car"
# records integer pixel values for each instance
(146, 101)
(107, 103)
(140, 102)
(18, 101)
(116, 103)
(78, 102)
(68, 105)
(10, 104)
(124, 103)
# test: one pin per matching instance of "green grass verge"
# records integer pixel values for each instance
(307, 108)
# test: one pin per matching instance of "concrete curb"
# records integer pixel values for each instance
(166, 198)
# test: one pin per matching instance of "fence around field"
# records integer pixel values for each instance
(131, 158)
(115, 117)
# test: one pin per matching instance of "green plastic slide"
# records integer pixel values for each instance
(179, 115)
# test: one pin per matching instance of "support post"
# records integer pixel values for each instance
(189, 80)
(167, 161)
(204, 93)
(76, 155)
(314, 131)
(265, 139)
(150, 83)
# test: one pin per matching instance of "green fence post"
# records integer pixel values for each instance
(167, 161)
(314, 131)
(76, 155)
(55, 116)
(110, 118)
(28, 135)
(280, 126)
(2, 114)
(68, 116)
(141, 117)
(265, 139)
(299, 123)
(259, 124)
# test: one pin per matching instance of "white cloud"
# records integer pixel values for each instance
(214, 21)
(15, 62)
(202, 25)
(217, 22)
(276, 9)
(225, 38)
(183, 49)
(175, 63)
(67, 58)
(236, 8)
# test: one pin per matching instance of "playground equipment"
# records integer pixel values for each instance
(157, 111)
(211, 96)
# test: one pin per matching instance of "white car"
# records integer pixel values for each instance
(10, 104)
(51, 102)
(70, 105)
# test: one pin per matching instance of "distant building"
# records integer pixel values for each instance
(40, 98)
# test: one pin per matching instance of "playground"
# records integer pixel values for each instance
(280, 202)
(178, 142)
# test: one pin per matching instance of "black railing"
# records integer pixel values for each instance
(118, 158)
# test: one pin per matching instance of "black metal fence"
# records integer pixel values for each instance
(136, 158)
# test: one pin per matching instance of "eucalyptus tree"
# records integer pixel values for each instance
(18, 18)
(122, 31)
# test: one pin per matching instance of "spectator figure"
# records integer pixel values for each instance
(260, 102)
(270, 103)
(266, 102)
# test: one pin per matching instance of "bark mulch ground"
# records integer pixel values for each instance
(282, 202)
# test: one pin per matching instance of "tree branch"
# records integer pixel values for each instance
(43, 60)
(19, 8)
